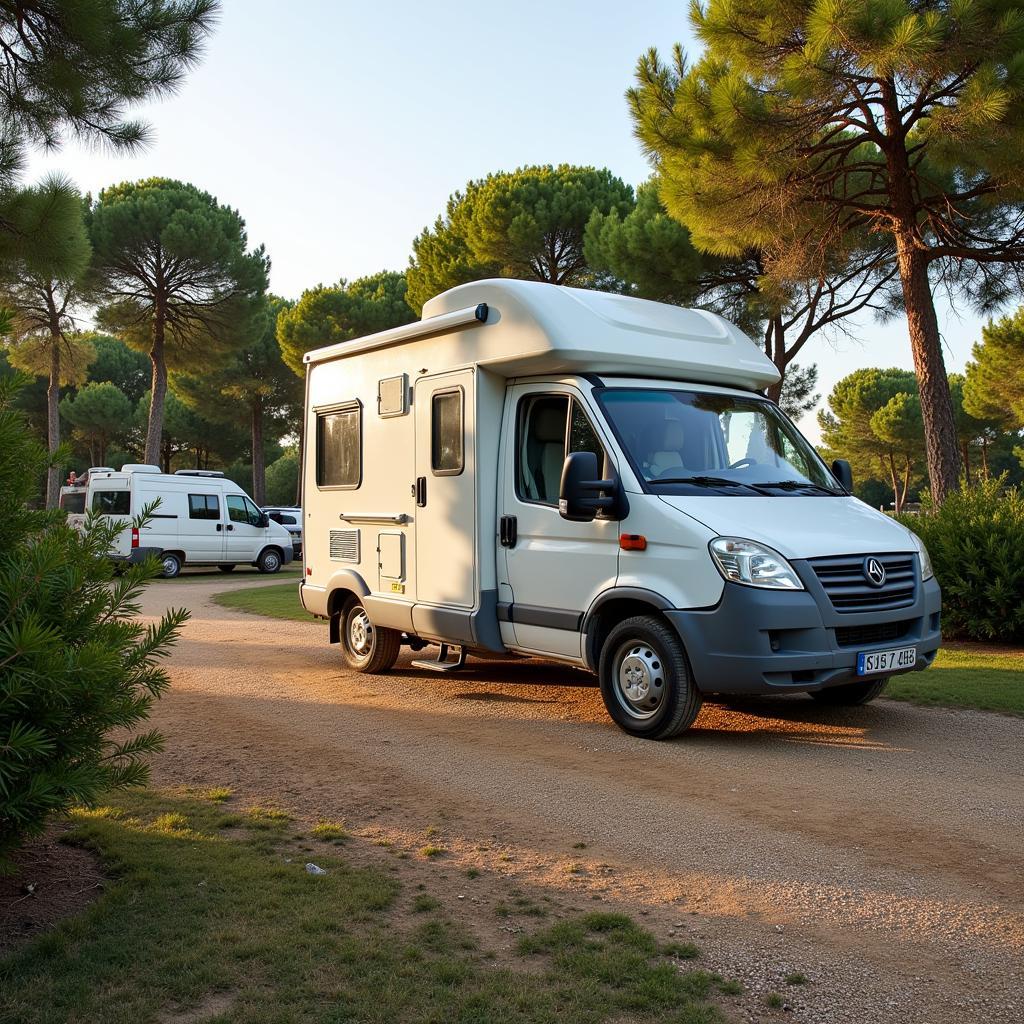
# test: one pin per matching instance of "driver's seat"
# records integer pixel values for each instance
(664, 449)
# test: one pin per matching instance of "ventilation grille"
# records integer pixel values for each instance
(345, 545)
(873, 633)
(849, 590)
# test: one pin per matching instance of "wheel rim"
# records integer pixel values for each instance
(640, 685)
(170, 566)
(360, 634)
(270, 561)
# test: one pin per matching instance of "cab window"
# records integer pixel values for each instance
(549, 427)
(242, 510)
(111, 503)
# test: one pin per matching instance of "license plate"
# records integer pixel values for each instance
(886, 661)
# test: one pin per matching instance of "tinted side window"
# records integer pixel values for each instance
(446, 434)
(338, 444)
(111, 503)
(203, 506)
(73, 502)
(582, 436)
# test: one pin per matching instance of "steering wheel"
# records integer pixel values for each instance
(743, 463)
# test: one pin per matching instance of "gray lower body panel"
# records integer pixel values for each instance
(137, 555)
(763, 641)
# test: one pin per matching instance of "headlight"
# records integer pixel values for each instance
(752, 564)
(927, 572)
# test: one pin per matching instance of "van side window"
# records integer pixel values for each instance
(203, 506)
(447, 454)
(338, 447)
(242, 510)
(111, 503)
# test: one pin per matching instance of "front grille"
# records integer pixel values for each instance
(875, 633)
(843, 579)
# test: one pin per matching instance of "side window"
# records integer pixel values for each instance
(237, 512)
(447, 447)
(111, 503)
(540, 447)
(583, 437)
(203, 506)
(339, 447)
(254, 513)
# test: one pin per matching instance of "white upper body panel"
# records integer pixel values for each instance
(532, 328)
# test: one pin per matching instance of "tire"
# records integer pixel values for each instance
(171, 565)
(850, 694)
(226, 568)
(364, 646)
(269, 561)
(646, 681)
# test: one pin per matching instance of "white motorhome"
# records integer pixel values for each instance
(596, 479)
(203, 519)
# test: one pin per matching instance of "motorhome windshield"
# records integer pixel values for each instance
(691, 442)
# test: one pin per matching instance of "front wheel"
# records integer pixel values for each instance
(364, 646)
(269, 560)
(645, 679)
(851, 694)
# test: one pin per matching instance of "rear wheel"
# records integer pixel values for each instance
(645, 679)
(226, 568)
(851, 694)
(170, 565)
(364, 646)
(269, 560)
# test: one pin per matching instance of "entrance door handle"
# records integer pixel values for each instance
(220, 526)
(230, 526)
(421, 491)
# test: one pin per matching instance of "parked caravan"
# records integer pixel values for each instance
(202, 519)
(599, 480)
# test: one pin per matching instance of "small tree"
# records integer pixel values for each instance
(115, 362)
(173, 276)
(874, 420)
(528, 224)
(804, 125)
(76, 664)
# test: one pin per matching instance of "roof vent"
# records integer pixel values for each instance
(198, 472)
(140, 467)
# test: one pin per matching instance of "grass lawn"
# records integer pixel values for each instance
(211, 915)
(280, 601)
(967, 676)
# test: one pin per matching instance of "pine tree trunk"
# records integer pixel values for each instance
(777, 354)
(943, 452)
(894, 480)
(158, 393)
(259, 469)
(53, 421)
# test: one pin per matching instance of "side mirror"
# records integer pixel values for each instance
(583, 493)
(843, 473)
(264, 519)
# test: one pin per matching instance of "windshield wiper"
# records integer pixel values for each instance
(701, 481)
(797, 485)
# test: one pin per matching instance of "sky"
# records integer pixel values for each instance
(339, 130)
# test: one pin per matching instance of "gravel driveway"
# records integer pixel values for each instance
(879, 851)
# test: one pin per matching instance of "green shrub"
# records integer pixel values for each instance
(976, 542)
(75, 664)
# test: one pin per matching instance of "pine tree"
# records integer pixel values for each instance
(804, 123)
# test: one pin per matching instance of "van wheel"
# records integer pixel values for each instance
(170, 565)
(226, 568)
(269, 560)
(851, 694)
(364, 646)
(645, 679)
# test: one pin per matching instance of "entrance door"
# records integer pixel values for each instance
(555, 568)
(201, 531)
(445, 490)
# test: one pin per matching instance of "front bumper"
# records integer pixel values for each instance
(764, 641)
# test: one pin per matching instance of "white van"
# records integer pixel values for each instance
(596, 479)
(202, 519)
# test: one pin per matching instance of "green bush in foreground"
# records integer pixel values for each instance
(976, 542)
(75, 663)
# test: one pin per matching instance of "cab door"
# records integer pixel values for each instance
(553, 568)
(243, 531)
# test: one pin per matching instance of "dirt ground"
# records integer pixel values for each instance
(878, 851)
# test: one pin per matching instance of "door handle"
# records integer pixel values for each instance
(421, 491)
(229, 527)
(508, 531)
(220, 526)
